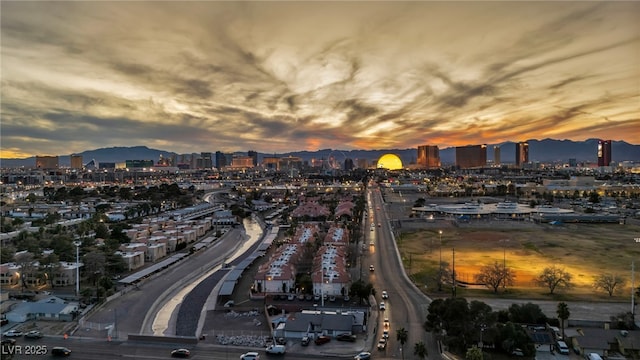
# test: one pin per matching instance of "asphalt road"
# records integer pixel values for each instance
(407, 306)
(133, 312)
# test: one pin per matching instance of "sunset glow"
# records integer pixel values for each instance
(286, 76)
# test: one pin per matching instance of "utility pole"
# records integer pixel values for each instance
(453, 274)
(633, 291)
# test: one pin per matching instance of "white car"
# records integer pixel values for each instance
(12, 333)
(383, 306)
(385, 295)
(251, 355)
(382, 344)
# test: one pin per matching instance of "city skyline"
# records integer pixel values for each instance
(289, 76)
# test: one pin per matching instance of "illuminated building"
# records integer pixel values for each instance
(428, 157)
(76, 161)
(389, 162)
(471, 156)
(604, 152)
(496, 155)
(522, 153)
(47, 162)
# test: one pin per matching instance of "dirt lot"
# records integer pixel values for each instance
(583, 250)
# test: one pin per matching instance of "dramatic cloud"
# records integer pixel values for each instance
(284, 76)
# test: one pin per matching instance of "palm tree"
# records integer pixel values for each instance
(563, 314)
(420, 350)
(402, 336)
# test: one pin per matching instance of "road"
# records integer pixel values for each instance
(134, 312)
(407, 307)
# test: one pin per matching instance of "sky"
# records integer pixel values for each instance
(307, 75)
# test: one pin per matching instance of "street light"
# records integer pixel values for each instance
(77, 244)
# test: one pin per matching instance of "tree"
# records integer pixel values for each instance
(608, 282)
(24, 260)
(492, 276)
(420, 350)
(528, 313)
(51, 265)
(402, 336)
(473, 353)
(563, 314)
(553, 277)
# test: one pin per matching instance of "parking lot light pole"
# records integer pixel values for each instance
(77, 244)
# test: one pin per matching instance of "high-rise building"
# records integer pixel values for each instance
(207, 160)
(348, 164)
(76, 162)
(604, 152)
(428, 157)
(254, 155)
(47, 162)
(522, 153)
(496, 155)
(471, 156)
(221, 160)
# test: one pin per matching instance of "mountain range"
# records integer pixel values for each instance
(546, 151)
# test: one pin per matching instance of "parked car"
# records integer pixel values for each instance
(305, 341)
(346, 337)
(365, 355)
(562, 348)
(332, 298)
(386, 324)
(291, 297)
(60, 351)
(385, 334)
(183, 353)
(322, 340)
(382, 344)
(8, 341)
(382, 306)
(12, 333)
(33, 334)
(371, 268)
(251, 355)
(384, 294)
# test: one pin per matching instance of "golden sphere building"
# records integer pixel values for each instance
(389, 162)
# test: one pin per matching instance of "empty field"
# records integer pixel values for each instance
(584, 250)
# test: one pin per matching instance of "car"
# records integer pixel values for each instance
(300, 297)
(305, 341)
(33, 334)
(562, 347)
(385, 334)
(365, 355)
(275, 349)
(316, 297)
(383, 306)
(332, 298)
(251, 355)
(386, 324)
(60, 351)
(291, 297)
(3, 322)
(322, 340)
(12, 333)
(8, 341)
(308, 297)
(379, 224)
(385, 295)
(346, 337)
(347, 298)
(382, 344)
(183, 353)
(371, 268)
(229, 304)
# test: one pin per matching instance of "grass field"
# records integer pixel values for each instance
(583, 250)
